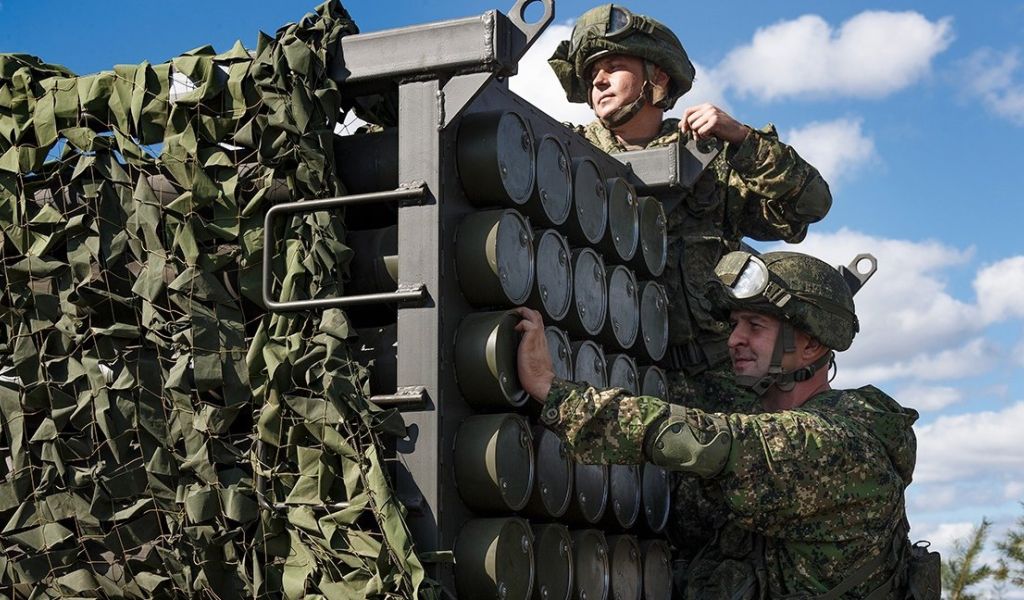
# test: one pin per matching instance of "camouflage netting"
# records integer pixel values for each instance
(146, 395)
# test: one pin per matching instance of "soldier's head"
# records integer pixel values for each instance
(646, 52)
(789, 312)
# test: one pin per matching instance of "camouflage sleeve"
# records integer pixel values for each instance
(807, 467)
(601, 426)
(773, 193)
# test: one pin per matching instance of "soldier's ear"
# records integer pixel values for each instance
(660, 77)
(813, 349)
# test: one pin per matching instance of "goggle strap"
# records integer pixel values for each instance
(641, 24)
(776, 294)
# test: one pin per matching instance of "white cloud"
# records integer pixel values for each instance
(930, 398)
(837, 148)
(537, 84)
(871, 55)
(976, 445)
(997, 78)
(999, 289)
(973, 358)
(905, 310)
(1014, 490)
(707, 87)
(912, 327)
(944, 536)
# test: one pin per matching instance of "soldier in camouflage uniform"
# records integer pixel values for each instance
(811, 480)
(630, 69)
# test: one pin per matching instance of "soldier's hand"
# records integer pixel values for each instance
(707, 120)
(534, 362)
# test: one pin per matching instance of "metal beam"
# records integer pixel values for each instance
(486, 42)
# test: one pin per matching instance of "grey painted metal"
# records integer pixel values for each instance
(477, 43)
(412, 292)
(653, 382)
(405, 398)
(652, 253)
(590, 494)
(367, 162)
(589, 364)
(626, 567)
(424, 477)
(552, 286)
(590, 553)
(623, 322)
(551, 201)
(496, 158)
(589, 216)
(553, 473)
(553, 573)
(374, 266)
(470, 50)
(494, 463)
(589, 307)
(485, 360)
(379, 345)
(622, 373)
(653, 321)
(561, 352)
(621, 237)
(670, 168)
(656, 557)
(494, 258)
(494, 559)
(624, 495)
(657, 496)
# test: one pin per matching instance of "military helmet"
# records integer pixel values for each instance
(807, 292)
(612, 29)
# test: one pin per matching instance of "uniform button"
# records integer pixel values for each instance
(551, 414)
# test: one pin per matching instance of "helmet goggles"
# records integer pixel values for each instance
(619, 23)
(745, 277)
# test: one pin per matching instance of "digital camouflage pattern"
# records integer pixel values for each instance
(165, 436)
(649, 40)
(820, 301)
(808, 493)
(760, 189)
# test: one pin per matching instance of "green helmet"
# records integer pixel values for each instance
(611, 29)
(800, 289)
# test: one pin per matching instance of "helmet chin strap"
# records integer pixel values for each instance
(622, 115)
(776, 376)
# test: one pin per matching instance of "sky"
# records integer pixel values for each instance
(912, 110)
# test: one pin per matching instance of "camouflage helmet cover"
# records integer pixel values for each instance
(611, 29)
(806, 291)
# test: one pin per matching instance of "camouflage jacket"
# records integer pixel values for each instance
(809, 493)
(760, 189)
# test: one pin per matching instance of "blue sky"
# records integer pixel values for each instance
(914, 111)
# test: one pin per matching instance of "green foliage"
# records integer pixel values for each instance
(1011, 561)
(962, 571)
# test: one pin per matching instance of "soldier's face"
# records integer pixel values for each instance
(616, 80)
(752, 342)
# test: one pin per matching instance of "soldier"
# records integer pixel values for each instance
(810, 480)
(630, 69)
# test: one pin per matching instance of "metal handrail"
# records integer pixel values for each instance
(408, 293)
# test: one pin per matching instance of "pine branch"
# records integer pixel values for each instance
(960, 572)
(1011, 563)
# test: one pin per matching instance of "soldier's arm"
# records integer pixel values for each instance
(772, 467)
(773, 194)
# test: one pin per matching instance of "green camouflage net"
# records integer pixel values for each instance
(163, 434)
